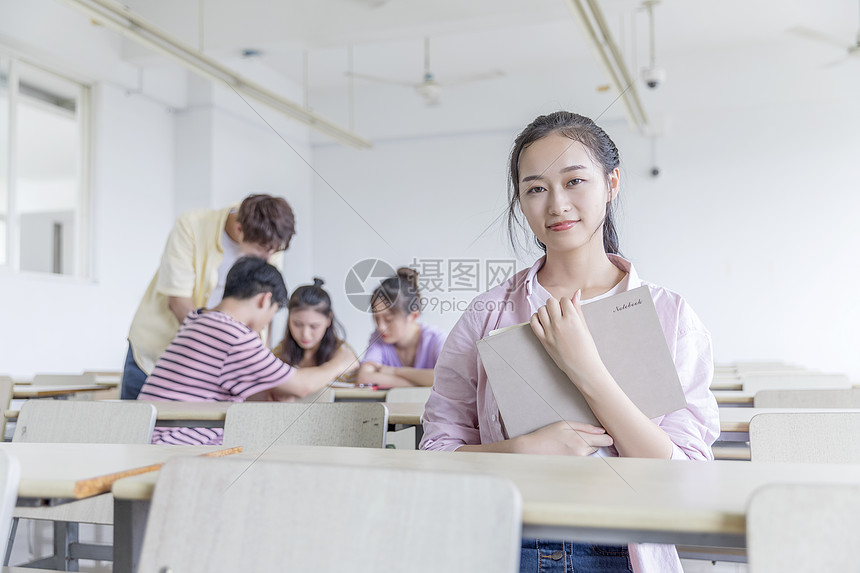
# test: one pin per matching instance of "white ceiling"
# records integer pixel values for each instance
(477, 36)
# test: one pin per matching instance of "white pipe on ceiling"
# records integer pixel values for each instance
(591, 19)
(116, 16)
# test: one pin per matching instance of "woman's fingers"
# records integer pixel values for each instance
(583, 427)
(597, 440)
(553, 309)
(567, 307)
(537, 327)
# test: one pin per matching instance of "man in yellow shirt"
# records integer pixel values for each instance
(201, 248)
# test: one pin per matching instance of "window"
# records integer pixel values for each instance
(44, 155)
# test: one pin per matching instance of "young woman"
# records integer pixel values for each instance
(313, 337)
(402, 351)
(564, 179)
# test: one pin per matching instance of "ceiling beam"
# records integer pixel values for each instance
(116, 16)
(589, 16)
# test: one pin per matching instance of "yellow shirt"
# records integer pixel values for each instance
(188, 269)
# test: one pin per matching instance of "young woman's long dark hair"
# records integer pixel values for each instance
(311, 297)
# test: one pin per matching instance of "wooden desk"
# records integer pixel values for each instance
(191, 414)
(603, 500)
(727, 383)
(212, 414)
(180, 414)
(738, 419)
(405, 414)
(25, 391)
(736, 398)
(354, 394)
(57, 473)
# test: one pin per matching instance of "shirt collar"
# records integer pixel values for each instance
(617, 260)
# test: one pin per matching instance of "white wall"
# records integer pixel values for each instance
(144, 130)
(751, 219)
(60, 324)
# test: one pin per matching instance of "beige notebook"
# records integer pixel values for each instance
(532, 391)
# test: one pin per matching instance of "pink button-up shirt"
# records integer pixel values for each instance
(462, 409)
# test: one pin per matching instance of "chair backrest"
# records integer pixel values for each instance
(69, 421)
(64, 379)
(10, 475)
(413, 395)
(258, 425)
(267, 515)
(7, 386)
(814, 437)
(823, 398)
(811, 527)
(756, 383)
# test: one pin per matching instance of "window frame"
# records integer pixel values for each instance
(83, 260)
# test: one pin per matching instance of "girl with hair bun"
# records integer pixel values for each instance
(402, 351)
(313, 336)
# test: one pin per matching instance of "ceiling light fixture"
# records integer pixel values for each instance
(591, 19)
(114, 15)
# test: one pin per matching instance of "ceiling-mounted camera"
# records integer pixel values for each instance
(653, 76)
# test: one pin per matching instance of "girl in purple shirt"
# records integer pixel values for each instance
(564, 179)
(402, 351)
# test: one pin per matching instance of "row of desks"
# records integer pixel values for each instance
(607, 500)
(212, 414)
(26, 391)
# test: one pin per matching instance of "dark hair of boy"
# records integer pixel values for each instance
(250, 276)
(267, 221)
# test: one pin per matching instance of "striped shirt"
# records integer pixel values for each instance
(213, 358)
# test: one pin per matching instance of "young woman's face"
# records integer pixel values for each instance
(307, 327)
(563, 193)
(392, 326)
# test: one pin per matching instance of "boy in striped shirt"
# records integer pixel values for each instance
(217, 355)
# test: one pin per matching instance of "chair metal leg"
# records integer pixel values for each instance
(65, 533)
(11, 541)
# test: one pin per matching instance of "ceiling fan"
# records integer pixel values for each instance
(852, 50)
(428, 88)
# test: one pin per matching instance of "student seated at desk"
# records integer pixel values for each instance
(564, 179)
(200, 250)
(402, 351)
(217, 355)
(314, 336)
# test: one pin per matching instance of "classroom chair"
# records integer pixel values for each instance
(260, 425)
(804, 381)
(269, 515)
(62, 421)
(826, 398)
(815, 437)
(811, 527)
(7, 387)
(10, 475)
(406, 439)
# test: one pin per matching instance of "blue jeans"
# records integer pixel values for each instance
(538, 556)
(132, 377)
